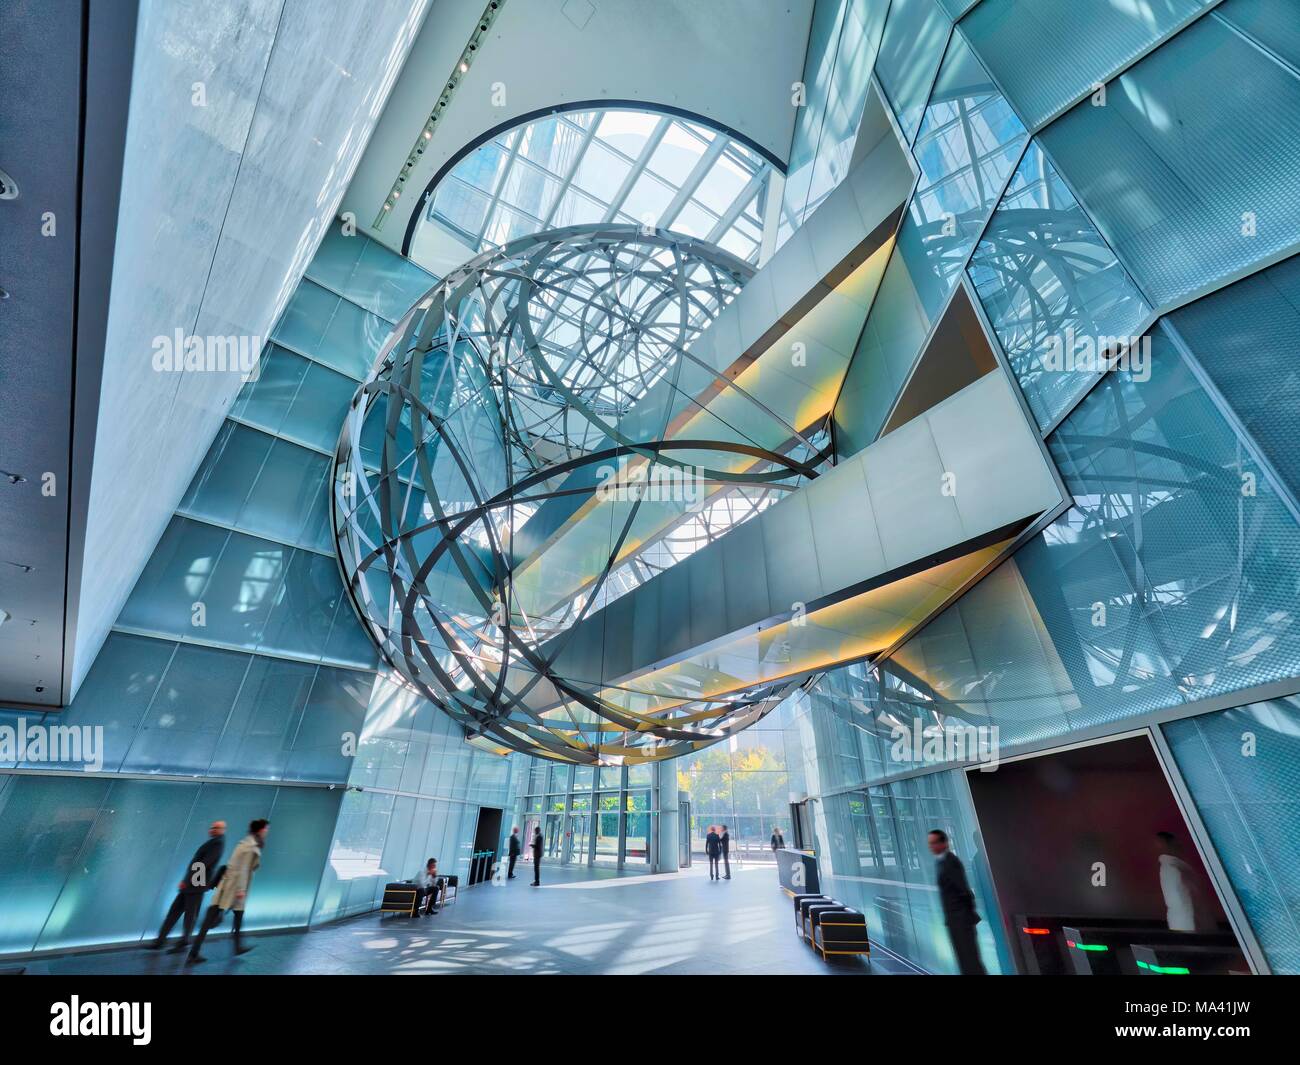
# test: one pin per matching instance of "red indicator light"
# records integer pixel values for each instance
(1038, 932)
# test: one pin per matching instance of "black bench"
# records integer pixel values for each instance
(842, 931)
(399, 897)
(800, 911)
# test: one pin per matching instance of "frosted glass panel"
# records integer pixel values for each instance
(1156, 466)
(189, 713)
(266, 401)
(86, 861)
(1191, 188)
(113, 891)
(1048, 53)
(1249, 805)
(44, 822)
(1246, 338)
(1049, 284)
(1274, 23)
(916, 32)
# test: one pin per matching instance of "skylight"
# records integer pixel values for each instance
(605, 165)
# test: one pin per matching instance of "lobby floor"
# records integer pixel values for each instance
(580, 921)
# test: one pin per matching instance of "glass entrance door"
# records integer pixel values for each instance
(577, 839)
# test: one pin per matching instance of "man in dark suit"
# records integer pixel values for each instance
(713, 850)
(726, 851)
(514, 849)
(201, 875)
(537, 856)
(958, 903)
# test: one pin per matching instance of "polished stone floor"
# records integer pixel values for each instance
(580, 921)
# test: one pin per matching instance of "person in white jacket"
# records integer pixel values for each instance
(1187, 908)
(232, 889)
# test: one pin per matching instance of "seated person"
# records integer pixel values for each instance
(427, 886)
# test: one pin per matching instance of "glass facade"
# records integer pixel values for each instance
(1121, 266)
(604, 816)
(741, 783)
(1241, 766)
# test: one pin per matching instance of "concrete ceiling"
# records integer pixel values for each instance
(729, 61)
(246, 122)
(62, 148)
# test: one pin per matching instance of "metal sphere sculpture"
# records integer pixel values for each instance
(472, 482)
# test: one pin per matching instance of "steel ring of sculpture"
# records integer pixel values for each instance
(515, 461)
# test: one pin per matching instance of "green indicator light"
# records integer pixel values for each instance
(1165, 970)
(1088, 946)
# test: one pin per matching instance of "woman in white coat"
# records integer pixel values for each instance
(233, 883)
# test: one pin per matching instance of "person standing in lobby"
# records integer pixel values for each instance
(958, 902)
(514, 849)
(537, 856)
(232, 891)
(713, 849)
(199, 877)
(725, 841)
(778, 840)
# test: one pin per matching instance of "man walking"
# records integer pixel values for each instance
(537, 856)
(199, 877)
(726, 851)
(514, 850)
(232, 891)
(958, 903)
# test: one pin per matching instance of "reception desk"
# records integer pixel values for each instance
(797, 871)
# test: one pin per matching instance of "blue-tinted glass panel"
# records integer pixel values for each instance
(1050, 284)
(916, 32)
(1246, 338)
(288, 500)
(1273, 23)
(861, 27)
(1242, 767)
(175, 579)
(819, 69)
(265, 401)
(1048, 53)
(247, 582)
(114, 697)
(305, 318)
(370, 275)
(968, 143)
(189, 713)
(336, 259)
(319, 407)
(331, 330)
(284, 889)
(229, 470)
(264, 719)
(1153, 464)
(124, 867)
(44, 824)
(352, 339)
(299, 621)
(1191, 187)
(967, 147)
